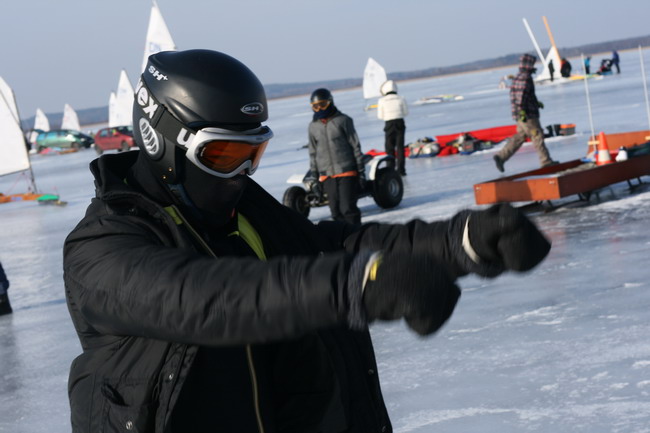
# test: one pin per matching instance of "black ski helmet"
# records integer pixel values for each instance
(180, 92)
(321, 94)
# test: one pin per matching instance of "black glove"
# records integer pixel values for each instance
(503, 238)
(362, 181)
(410, 287)
(540, 104)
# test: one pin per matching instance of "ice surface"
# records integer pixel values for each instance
(563, 348)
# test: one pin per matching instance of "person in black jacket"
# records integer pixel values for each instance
(202, 304)
(5, 306)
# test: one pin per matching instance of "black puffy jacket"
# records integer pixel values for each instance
(144, 297)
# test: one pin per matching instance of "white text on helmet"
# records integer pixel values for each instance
(145, 100)
(157, 74)
(253, 109)
(184, 137)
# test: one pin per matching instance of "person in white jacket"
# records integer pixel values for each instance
(392, 109)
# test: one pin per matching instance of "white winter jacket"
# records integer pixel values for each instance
(391, 107)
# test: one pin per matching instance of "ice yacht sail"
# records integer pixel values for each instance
(14, 156)
(374, 76)
(120, 103)
(158, 36)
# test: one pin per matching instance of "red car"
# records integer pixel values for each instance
(119, 137)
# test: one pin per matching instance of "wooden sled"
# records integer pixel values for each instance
(568, 178)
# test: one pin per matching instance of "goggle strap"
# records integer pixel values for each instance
(162, 121)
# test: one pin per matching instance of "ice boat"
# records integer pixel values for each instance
(553, 55)
(14, 156)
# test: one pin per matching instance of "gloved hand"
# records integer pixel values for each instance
(540, 104)
(522, 116)
(502, 238)
(410, 287)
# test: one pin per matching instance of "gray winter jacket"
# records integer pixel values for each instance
(334, 146)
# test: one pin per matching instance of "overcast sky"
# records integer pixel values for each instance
(71, 51)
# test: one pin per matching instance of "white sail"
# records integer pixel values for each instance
(112, 110)
(124, 101)
(13, 151)
(158, 36)
(70, 119)
(554, 56)
(10, 100)
(373, 77)
(40, 121)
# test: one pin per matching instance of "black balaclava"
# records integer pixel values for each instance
(209, 199)
(214, 197)
(324, 114)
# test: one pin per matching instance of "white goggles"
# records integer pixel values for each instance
(224, 153)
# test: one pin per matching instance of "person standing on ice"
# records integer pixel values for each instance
(525, 110)
(5, 306)
(202, 304)
(392, 109)
(335, 156)
(615, 61)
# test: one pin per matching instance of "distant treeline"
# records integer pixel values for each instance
(90, 116)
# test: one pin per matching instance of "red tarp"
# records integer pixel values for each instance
(495, 134)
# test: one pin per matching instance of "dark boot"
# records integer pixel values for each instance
(5, 306)
(499, 163)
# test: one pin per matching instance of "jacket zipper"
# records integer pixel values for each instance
(249, 352)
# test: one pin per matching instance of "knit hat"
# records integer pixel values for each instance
(527, 62)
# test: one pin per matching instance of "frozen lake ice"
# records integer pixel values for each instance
(562, 348)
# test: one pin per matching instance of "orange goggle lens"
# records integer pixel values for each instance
(225, 156)
(320, 105)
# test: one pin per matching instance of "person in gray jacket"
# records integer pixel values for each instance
(335, 157)
(392, 109)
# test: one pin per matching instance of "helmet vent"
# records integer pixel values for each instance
(149, 138)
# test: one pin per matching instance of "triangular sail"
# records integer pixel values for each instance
(124, 101)
(112, 110)
(374, 76)
(158, 36)
(9, 98)
(554, 56)
(40, 123)
(70, 119)
(13, 151)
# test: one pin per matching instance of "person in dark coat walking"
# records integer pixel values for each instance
(525, 110)
(5, 305)
(335, 156)
(202, 304)
(551, 69)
